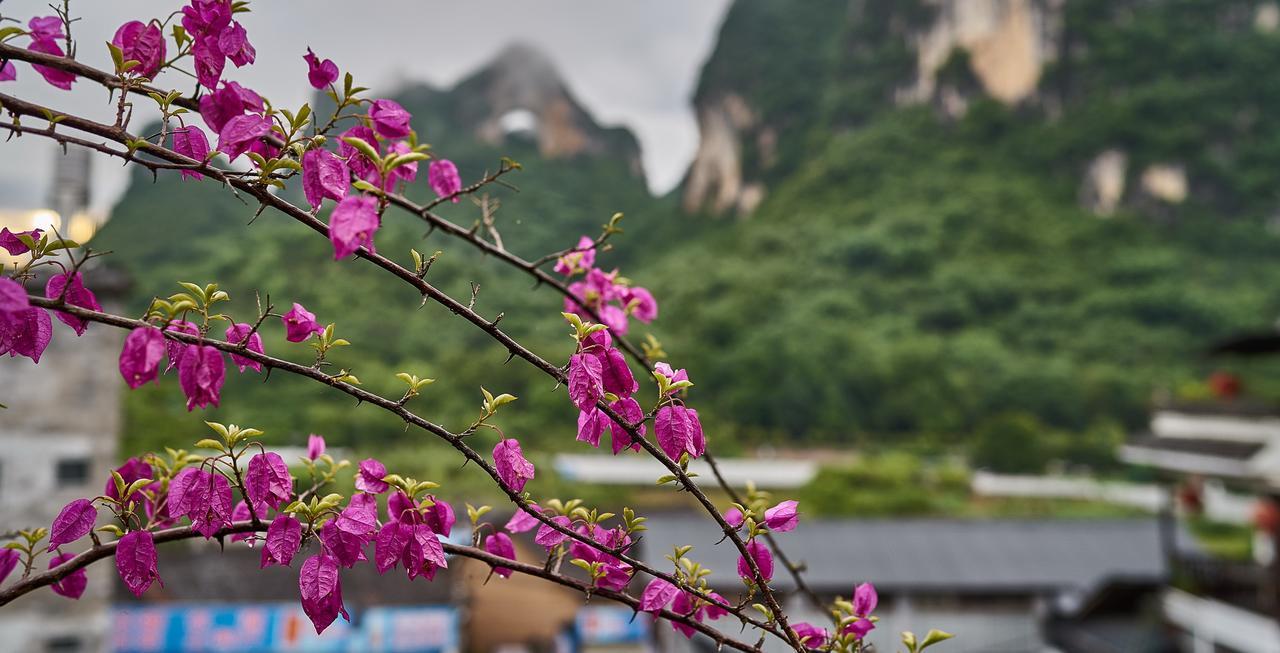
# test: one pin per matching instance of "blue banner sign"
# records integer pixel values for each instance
(281, 628)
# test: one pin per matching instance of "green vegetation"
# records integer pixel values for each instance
(904, 484)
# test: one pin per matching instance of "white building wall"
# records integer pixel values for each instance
(64, 411)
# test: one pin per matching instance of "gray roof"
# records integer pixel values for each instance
(950, 555)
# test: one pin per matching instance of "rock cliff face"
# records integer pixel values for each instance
(1007, 43)
(1002, 45)
(521, 95)
(779, 70)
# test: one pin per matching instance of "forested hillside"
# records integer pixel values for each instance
(885, 252)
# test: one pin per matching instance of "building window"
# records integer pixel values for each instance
(63, 644)
(72, 471)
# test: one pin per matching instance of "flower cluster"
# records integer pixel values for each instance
(853, 620)
(216, 38)
(610, 296)
(605, 569)
(26, 330)
(157, 492)
(661, 594)
(45, 33)
(599, 371)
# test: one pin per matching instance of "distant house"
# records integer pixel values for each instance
(1232, 605)
(1003, 585)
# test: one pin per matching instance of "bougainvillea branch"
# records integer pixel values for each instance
(373, 159)
(108, 549)
(398, 409)
(21, 107)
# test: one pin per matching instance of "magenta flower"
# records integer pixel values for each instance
(10, 241)
(45, 33)
(499, 544)
(133, 469)
(25, 333)
(686, 604)
(865, 599)
(522, 521)
(320, 73)
(782, 517)
(352, 225)
(346, 547)
(315, 446)
(360, 517)
(240, 132)
(763, 558)
(640, 304)
(404, 172)
(734, 517)
(13, 297)
(549, 537)
(175, 349)
(8, 560)
(401, 508)
(141, 42)
(72, 585)
(613, 317)
(389, 119)
(46, 28)
(241, 513)
(136, 561)
(616, 576)
(424, 554)
(513, 469)
(657, 595)
(73, 522)
(234, 43)
(859, 628)
(268, 482)
(678, 431)
(440, 517)
(390, 544)
(810, 635)
(73, 293)
(443, 177)
(299, 324)
(591, 424)
(369, 478)
(631, 411)
(586, 383)
(220, 106)
(8, 72)
(208, 503)
(673, 376)
(360, 165)
(581, 259)
(209, 61)
(201, 373)
(203, 17)
(616, 375)
(321, 591)
(242, 333)
(284, 538)
(191, 142)
(324, 175)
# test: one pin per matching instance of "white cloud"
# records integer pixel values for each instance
(630, 63)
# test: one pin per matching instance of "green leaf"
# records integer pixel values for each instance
(933, 637)
(363, 146)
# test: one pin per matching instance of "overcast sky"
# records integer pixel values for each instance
(630, 63)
